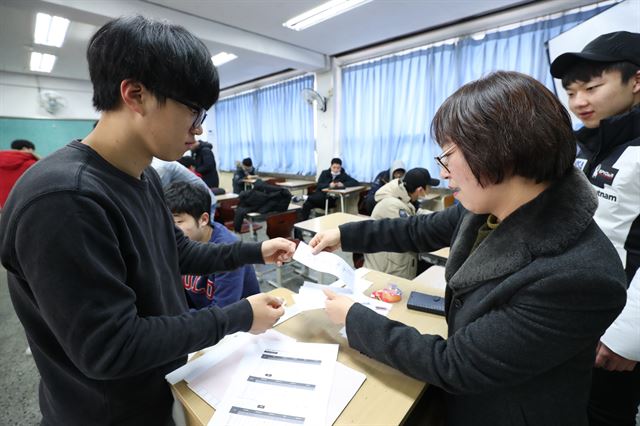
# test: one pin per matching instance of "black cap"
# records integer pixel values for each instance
(418, 177)
(613, 47)
(247, 162)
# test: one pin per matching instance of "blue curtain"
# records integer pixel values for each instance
(388, 104)
(274, 126)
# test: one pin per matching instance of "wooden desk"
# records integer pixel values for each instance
(330, 221)
(227, 196)
(249, 181)
(438, 257)
(296, 185)
(342, 193)
(385, 398)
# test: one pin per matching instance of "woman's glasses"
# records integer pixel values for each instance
(443, 159)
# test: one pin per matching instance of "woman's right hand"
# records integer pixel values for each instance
(326, 240)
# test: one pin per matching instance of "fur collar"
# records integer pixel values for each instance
(545, 226)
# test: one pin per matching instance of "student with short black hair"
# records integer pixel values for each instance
(335, 177)
(23, 145)
(603, 86)
(244, 169)
(532, 283)
(189, 204)
(102, 305)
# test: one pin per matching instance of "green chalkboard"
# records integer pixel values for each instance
(47, 135)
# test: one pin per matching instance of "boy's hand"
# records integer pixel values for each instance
(337, 307)
(267, 309)
(277, 250)
(326, 240)
(609, 360)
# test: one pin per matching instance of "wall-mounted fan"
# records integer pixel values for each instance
(312, 96)
(51, 101)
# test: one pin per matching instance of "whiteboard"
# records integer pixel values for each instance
(624, 16)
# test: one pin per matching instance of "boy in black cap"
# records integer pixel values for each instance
(603, 85)
(396, 199)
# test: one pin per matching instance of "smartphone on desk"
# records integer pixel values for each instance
(426, 303)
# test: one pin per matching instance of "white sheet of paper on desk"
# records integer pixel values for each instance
(216, 353)
(285, 383)
(212, 383)
(326, 262)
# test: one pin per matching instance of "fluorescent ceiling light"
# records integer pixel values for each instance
(50, 30)
(222, 58)
(321, 13)
(42, 62)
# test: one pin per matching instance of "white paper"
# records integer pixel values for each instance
(285, 383)
(346, 382)
(218, 352)
(326, 262)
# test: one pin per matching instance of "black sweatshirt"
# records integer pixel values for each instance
(94, 264)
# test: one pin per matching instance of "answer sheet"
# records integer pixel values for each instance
(285, 383)
(326, 262)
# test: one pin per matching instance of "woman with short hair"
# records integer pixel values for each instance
(532, 283)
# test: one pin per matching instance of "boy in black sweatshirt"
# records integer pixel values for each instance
(93, 257)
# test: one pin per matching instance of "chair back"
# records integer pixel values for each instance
(281, 224)
(448, 201)
(226, 210)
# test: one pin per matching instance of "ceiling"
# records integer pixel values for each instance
(251, 29)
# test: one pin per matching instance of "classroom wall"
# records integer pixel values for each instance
(22, 116)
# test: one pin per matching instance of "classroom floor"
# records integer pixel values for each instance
(18, 374)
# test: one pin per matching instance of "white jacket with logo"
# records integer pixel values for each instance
(610, 157)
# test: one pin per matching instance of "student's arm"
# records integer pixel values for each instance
(207, 258)
(78, 278)
(348, 181)
(623, 336)
(324, 180)
(417, 234)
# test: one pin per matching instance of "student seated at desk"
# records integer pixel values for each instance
(188, 205)
(334, 177)
(396, 171)
(395, 199)
(532, 282)
(243, 170)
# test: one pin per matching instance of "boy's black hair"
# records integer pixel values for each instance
(167, 59)
(22, 143)
(185, 197)
(336, 160)
(584, 70)
(187, 161)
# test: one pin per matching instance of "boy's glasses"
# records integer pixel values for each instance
(200, 113)
(443, 159)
